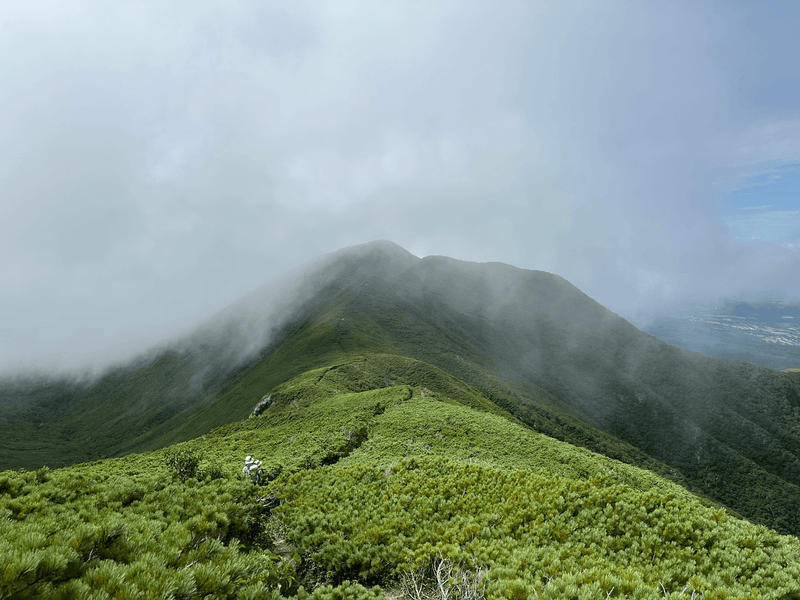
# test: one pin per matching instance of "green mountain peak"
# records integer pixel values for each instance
(425, 415)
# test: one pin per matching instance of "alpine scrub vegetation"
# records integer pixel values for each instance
(504, 340)
(516, 534)
(128, 528)
(383, 477)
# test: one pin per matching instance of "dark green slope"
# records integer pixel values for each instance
(729, 426)
(350, 330)
(528, 341)
(63, 421)
(538, 347)
(460, 325)
(160, 399)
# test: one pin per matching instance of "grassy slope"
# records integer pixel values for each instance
(421, 412)
(528, 341)
(333, 333)
(728, 427)
(346, 327)
(389, 469)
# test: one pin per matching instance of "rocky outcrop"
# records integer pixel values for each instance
(263, 405)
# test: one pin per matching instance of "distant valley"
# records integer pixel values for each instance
(766, 333)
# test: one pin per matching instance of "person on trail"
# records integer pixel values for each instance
(252, 469)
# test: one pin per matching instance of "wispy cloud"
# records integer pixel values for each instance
(158, 161)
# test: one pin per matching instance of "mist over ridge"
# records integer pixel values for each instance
(530, 341)
(232, 335)
(238, 332)
(647, 153)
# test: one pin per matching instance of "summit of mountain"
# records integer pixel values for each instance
(530, 343)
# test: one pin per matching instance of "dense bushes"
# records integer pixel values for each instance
(111, 530)
(529, 533)
(399, 487)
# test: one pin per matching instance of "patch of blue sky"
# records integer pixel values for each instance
(764, 204)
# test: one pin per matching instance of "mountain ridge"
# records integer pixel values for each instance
(530, 341)
(383, 477)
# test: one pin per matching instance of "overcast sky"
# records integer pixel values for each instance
(158, 160)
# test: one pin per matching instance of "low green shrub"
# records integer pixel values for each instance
(184, 463)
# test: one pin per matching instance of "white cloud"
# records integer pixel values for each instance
(157, 161)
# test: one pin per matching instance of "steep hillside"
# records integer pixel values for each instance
(155, 400)
(528, 341)
(726, 425)
(382, 477)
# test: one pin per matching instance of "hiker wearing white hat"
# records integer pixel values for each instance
(252, 469)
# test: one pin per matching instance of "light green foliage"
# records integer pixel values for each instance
(183, 463)
(525, 342)
(321, 416)
(344, 591)
(129, 528)
(381, 471)
(529, 531)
